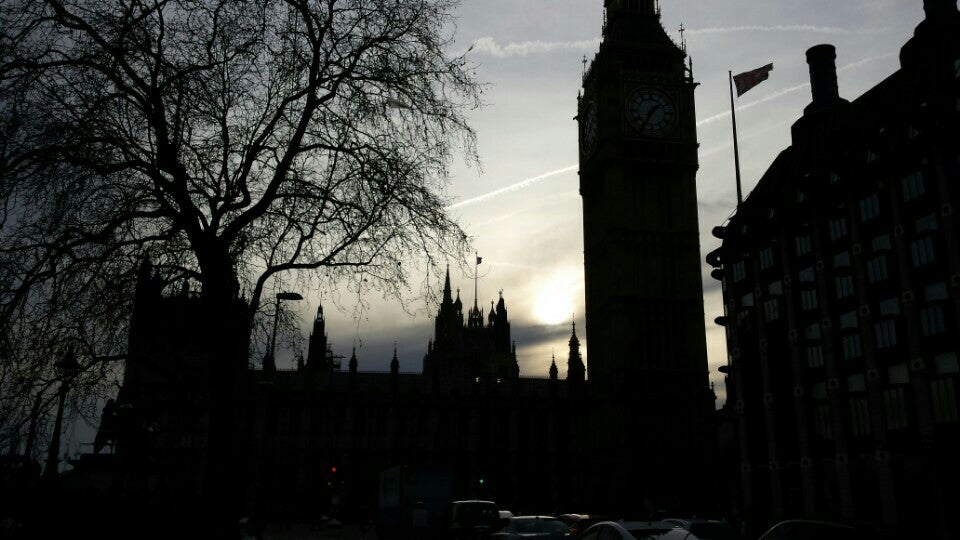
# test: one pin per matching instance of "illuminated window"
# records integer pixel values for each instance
(803, 245)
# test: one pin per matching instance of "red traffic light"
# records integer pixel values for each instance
(333, 470)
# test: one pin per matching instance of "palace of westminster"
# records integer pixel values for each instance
(850, 233)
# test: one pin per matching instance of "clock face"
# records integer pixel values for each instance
(651, 112)
(588, 128)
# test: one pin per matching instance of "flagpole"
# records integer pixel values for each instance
(736, 145)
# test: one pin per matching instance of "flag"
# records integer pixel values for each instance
(747, 80)
(479, 259)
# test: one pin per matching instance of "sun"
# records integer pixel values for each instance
(554, 300)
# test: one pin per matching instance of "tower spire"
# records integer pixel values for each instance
(447, 297)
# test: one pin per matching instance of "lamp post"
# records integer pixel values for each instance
(269, 362)
(67, 366)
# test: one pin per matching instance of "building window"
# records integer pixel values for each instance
(801, 196)
(739, 271)
(859, 417)
(895, 408)
(775, 288)
(898, 374)
(926, 223)
(881, 243)
(808, 300)
(931, 320)
(869, 208)
(851, 347)
(821, 415)
(815, 356)
(877, 269)
(886, 333)
(841, 260)
(946, 364)
(812, 332)
(844, 286)
(766, 258)
(857, 383)
(944, 394)
(936, 291)
(804, 245)
(922, 252)
(807, 275)
(871, 156)
(849, 320)
(890, 306)
(834, 177)
(838, 228)
(771, 309)
(746, 300)
(913, 186)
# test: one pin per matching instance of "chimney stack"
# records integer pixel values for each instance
(939, 8)
(823, 74)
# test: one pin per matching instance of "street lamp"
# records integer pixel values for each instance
(67, 367)
(269, 362)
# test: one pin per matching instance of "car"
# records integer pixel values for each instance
(546, 527)
(473, 519)
(801, 529)
(636, 530)
(707, 529)
(580, 522)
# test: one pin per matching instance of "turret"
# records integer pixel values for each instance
(575, 369)
(317, 348)
(553, 368)
(394, 363)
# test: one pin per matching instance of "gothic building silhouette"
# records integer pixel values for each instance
(628, 433)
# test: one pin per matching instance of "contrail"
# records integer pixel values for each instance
(513, 187)
(488, 45)
(792, 89)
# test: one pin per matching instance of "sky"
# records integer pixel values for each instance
(521, 206)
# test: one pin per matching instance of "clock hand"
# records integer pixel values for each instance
(649, 116)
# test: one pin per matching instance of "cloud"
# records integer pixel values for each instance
(513, 187)
(489, 46)
(807, 28)
(792, 89)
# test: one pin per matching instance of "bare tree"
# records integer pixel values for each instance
(234, 143)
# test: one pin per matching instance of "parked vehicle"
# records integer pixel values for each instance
(799, 529)
(707, 529)
(636, 530)
(546, 527)
(473, 519)
(580, 522)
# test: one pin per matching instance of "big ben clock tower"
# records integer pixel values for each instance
(646, 344)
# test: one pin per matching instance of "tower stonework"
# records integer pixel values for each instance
(646, 344)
